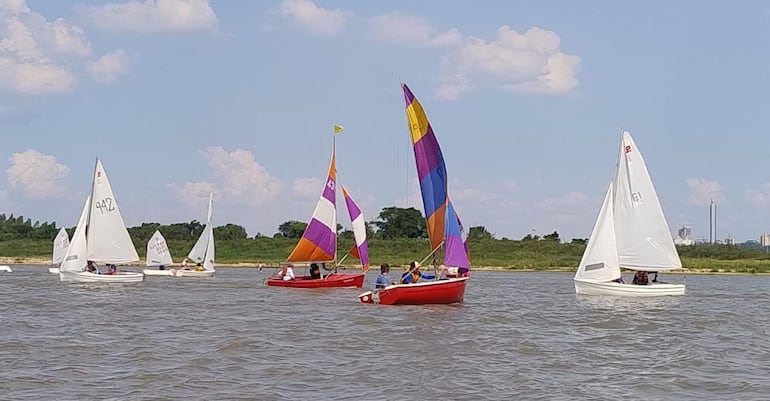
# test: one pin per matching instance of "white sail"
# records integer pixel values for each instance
(75, 257)
(643, 238)
(60, 245)
(108, 239)
(600, 259)
(208, 261)
(157, 251)
(203, 250)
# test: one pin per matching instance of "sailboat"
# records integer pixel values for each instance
(203, 251)
(319, 243)
(159, 256)
(100, 237)
(60, 244)
(444, 229)
(630, 233)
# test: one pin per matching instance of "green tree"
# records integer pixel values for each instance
(479, 233)
(554, 236)
(395, 222)
(230, 231)
(291, 229)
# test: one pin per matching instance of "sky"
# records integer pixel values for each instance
(527, 100)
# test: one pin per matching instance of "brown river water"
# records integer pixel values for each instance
(518, 336)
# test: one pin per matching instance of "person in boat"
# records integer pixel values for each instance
(184, 264)
(414, 274)
(655, 279)
(315, 271)
(383, 280)
(641, 278)
(162, 267)
(287, 273)
(91, 267)
(199, 267)
(619, 280)
(113, 269)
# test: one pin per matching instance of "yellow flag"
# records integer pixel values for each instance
(338, 129)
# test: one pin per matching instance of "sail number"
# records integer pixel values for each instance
(105, 205)
(330, 184)
(628, 148)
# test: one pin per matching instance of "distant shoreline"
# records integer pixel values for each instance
(46, 262)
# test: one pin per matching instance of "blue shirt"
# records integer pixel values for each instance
(382, 281)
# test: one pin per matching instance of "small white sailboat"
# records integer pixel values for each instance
(202, 252)
(100, 237)
(6, 269)
(630, 233)
(60, 245)
(158, 256)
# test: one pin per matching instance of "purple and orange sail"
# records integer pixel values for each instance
(442, 221)
(319, 241)
(361, 249)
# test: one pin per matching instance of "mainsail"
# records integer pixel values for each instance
(108, 239)
(157, 251)
(203, 250)
(319, 241)
(443, 225)
(361, 250)
(60, 245)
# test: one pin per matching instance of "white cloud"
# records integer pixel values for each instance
(307, 187)
(193, 195)
(702, 191)
(571, 201)
(107, 68)
(759, 197)
(241, 176)
(314, 18)
(154, 16)
(529, 62)
(39, 176)
(38, 56)
(410, 30)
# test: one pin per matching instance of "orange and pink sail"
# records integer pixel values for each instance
(443, 224)
(319, 241)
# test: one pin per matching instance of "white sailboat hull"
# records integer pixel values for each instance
(53, 270)
(6, 269)
(156, 272)
(589, 287)
(87, 277)
(194, 273)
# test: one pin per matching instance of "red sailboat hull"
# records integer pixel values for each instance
(430, 292)
(334, 280)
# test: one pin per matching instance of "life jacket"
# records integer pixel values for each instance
(283, 271)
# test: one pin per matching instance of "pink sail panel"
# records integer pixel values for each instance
(319, 241)
(359, 230)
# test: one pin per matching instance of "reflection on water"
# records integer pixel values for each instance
(518, 336)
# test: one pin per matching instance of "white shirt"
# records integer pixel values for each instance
(289, 274)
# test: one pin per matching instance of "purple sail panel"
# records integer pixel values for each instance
(456, 254)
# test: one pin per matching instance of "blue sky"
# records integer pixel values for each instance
(527, 99)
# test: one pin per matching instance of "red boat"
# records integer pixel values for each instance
(334, 280)
(428, 292)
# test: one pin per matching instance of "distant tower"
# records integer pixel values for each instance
(712, 221)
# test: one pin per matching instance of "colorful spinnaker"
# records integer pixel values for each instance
(443, 224)
(319, 241)
(361, 249)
